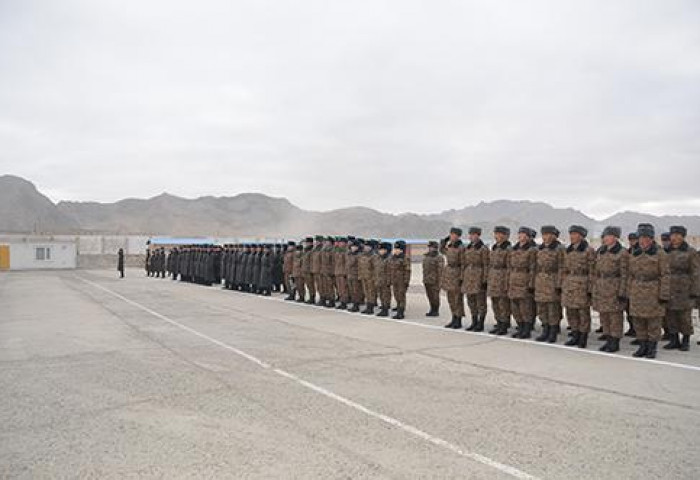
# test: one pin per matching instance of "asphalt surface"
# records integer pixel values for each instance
(141, 377)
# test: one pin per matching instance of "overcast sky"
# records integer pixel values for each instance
(396, 105)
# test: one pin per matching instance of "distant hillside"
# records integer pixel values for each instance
(23, 210)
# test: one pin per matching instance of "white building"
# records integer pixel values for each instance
(37, 253)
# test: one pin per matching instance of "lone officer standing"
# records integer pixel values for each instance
(475, 262)
(433, 268)
(649, 288)
(451, 247)
(577, 285)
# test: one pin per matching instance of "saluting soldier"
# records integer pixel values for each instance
(610, 287)
(382, 279)
(451, 247)
(433, 268)
(399, 276)
(522, 270)
(649, 289)
(353, 274)
(497, 280)
(288, 269)
(366, 273)
(683, 263)
(577, 285)
(475, 262)
(340, 265)
(548, 278)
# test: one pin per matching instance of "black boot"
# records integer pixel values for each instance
(452, 323)
(685, 343)
(342, 306)
(573, 340)
(399, 314)
(330, 304)
(642, 350)
(599, 330)
(458, 323)
(583, 340)
(481, 319)
(608, 344)
(475, 320)
(355, 308)
(504, 328)
(614, 345)
(369, 309)
(674, 343)
(432, 313)
(651, 350)
(496, 328)
(544, 335)
(383, 312)
(290, 297)
(553, 333)
(525, 330)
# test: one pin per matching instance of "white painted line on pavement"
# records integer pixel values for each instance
(507, 469)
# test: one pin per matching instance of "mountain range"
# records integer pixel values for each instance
(23, 209)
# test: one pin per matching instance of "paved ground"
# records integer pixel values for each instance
(101, 377)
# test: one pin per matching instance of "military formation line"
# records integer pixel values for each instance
(655, 286)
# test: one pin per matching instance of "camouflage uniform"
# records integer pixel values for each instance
(341, 275)
(327, 271)
(475, 263)
(433, 268)
(288, 268)
(522, 268)
(298, 275)
(684, 268)
(577, 289)
(307, 270)
(548, 278)
(317, 283)
(382, 281)
(365, 270)
(452, 280)
(354, 284)
(497, 289)
(400, 278)
(610, 292)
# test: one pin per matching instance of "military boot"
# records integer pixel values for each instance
(599, 330)
(369, 309)
(355, 308)
(544, 335)
(642, 350)
(399, 314)
(606, 346)
(553, 333)
(504, 328)
(291, 296)
(685, 343)
(330, 304)
(480, 323)
(342, 306)
(475, 320)
(651, 350)
(452, 323)
(583, 340)
(573, 340)
(458, 322)
(383, 312)
(674, 343)
(432, 313)
(496, 328)
(525, 330)
(614, 345)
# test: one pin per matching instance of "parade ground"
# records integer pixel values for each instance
(145, 377)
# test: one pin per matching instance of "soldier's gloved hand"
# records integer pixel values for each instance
(557, 291)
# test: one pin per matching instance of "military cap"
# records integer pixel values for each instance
(646, 230)
(351, 237)
(400, 244)
(359, 241)
(527, 230)
(330, 238)
(578, 229)
(633, 236)
(550, 229)
(501, 229)
(385, 246)
(309, 239)
(291, 243)
(320, 238)
(372, 243)
(474, 230)
(456, 230)
(300, 247)
(679, 229)
(433, 244)
(666, 236)
(342, 240)
(614, 231)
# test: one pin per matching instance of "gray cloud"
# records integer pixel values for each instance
(397, 105)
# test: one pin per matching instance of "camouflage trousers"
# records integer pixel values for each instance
(355, 290)
(456, 300)
(648, 328)
(523, 309)
(433, 294)
(298, 286)
(549, 312)
(370, 291)
(501, 309)
(399, 292)
(287, 279)
(579, 319)
(341, 285)
(384, 292)
(477, 303)
(310, 285)
(680, 321)
(611, 323)
(327, 290)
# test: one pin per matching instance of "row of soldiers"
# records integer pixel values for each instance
(658, 286)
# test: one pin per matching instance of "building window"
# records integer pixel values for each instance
(43, 253)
